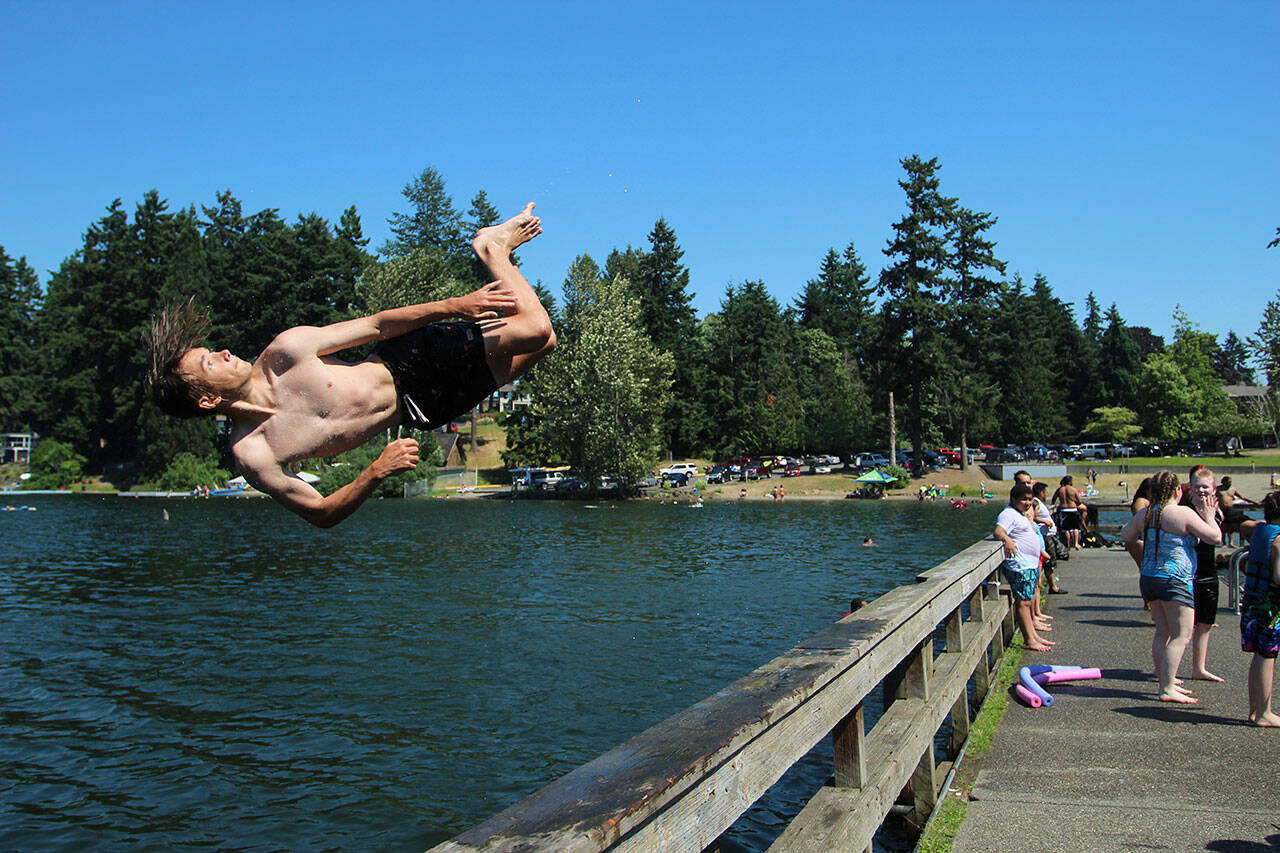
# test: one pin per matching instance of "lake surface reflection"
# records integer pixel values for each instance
(233, 677)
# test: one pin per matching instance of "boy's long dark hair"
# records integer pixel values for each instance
(174, 331)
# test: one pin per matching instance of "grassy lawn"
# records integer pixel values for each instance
(1260, 458)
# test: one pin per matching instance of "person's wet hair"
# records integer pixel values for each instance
(173, 333)
(1271, 507)
(1019, 491)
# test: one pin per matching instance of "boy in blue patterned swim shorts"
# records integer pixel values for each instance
(1260, 612)
(1021, 566)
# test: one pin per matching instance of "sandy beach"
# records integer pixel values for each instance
(1117, 486)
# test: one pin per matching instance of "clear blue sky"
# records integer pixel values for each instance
(1129, 149)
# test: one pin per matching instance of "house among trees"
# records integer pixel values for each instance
(15, 447)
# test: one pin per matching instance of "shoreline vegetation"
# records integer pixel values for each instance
(1116, 482)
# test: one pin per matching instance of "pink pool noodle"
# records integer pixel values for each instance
(1028, 682)
(1081, 674)
(1027, 696)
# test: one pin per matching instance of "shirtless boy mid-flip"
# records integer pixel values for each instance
(299, 402)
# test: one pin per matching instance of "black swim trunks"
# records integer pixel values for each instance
(439, 372)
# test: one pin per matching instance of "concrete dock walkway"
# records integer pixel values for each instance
(1108, 767)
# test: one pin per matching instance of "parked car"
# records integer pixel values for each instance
(675, 479)
(819, 468)
(545, 480)
(719, 474)
(792, 470)
(1095, 450)
(871, 460)
(569, 484)
(680, 468)
(1011, 453)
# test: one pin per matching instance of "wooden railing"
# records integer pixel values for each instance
(679, 785)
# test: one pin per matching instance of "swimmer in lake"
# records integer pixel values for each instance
(297, 401)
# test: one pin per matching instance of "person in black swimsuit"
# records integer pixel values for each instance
(298, 401)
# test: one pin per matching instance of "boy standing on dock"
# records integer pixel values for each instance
(1021, 566)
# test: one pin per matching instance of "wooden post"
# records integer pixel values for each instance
(959, 725)
(850, 750)
(955, 631)
(924, 783)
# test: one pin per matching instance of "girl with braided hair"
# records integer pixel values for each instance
(1169, 534)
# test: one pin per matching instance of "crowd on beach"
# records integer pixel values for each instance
(1172, 537)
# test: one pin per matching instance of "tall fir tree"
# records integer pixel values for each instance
(914, 286)
(967, 392)
(20, 383)
(839, 302)
(1118, 363)
(1231, 361)
(432, 221)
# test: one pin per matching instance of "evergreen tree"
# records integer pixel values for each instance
(838, 302)
(966, 393)
(481, 214)
(20, 384)
(1118, 362)
(1148, 341)
(1030, 405)
(1266, 343)
(752, 386)
(834, 405)
(1231, 361)
(431, 223)
(1092, 319)
(915, 288)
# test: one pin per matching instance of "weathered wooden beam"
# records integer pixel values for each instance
(678, 785)
(846, 819)
(847, 741)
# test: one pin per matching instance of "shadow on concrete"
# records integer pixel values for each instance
(1169, 712)
(1116, 623)
(1234, 845)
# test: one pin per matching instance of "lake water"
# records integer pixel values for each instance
(236, 678)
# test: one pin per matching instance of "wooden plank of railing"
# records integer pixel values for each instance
(839, 818)
(682, 782)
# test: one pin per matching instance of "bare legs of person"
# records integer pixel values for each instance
(1027, 623)
(1262, 673)
(514, 343)
(1173, 632)
(1200, 652)
(1038, 616)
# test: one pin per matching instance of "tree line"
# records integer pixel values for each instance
(967, 351)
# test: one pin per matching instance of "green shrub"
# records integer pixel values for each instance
(902, 477)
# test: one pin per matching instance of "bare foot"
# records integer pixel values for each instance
(1267, 720)
(1039, 648)
(505, 238)
(1206, 675)
(1180, 698)
(1184, 691)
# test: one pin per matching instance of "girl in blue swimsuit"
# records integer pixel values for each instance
(1169, 534)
